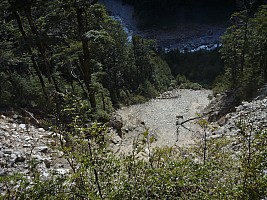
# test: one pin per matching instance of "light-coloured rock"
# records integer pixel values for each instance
(38, 158)
(8, 151)
(15, 116)
(42, 149)
(23, 126)
(62, 171)
(41, 130)
(13, 157)
(27, 138)
(27, 145)
(3, 173)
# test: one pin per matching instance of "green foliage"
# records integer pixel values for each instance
(162, 74)
(244, 52)
(96, 172)
(253, 157)
(182, 82)
(201, 67)
(221, 84)
(22, 91)
(48, 48)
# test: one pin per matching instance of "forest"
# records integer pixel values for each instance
(71, 63)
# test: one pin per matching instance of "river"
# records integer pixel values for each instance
(189, 36)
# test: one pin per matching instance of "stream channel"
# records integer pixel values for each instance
(189, 36)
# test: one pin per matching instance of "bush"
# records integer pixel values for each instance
(221, 84)
(190, 85)
(183, 83)
(24, 91)
(162, 173)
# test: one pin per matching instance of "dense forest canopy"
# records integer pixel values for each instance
(74, 46)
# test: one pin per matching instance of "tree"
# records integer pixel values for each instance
(86, 68)
(244, 52)
(74, 45)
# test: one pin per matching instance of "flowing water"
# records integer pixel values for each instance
(185, 35)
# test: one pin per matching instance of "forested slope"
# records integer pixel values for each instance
(48, 48)
(70, 64)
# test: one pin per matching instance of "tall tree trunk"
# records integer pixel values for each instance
(244, 48)
(40, 45)
(85, 59)
(42, 49)
(265, 63)
(35, 65)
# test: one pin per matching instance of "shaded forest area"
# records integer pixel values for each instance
(52, 48)
(201, 66)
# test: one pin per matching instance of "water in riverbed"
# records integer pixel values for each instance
(185, 37)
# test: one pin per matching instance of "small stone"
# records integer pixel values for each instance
(27, 145)
(52, 143)
(6, 134)
(27, 138)
(38, 158)
(2, 133)
(3, 163)
(13, 157)
(47, 163)
(3, 117)
(116, 140)
(59, 165)
(62, 171)
(15, 116)
(41, 129)
(2, 173)
(7, 151)
(46, 175)
(14, 125)
(23, 126)
(212, 137)
(42, 149)
(222, 121)
(60, 154)
(20, 159)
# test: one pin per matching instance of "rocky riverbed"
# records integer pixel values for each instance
(160, 116)
(191, 36)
